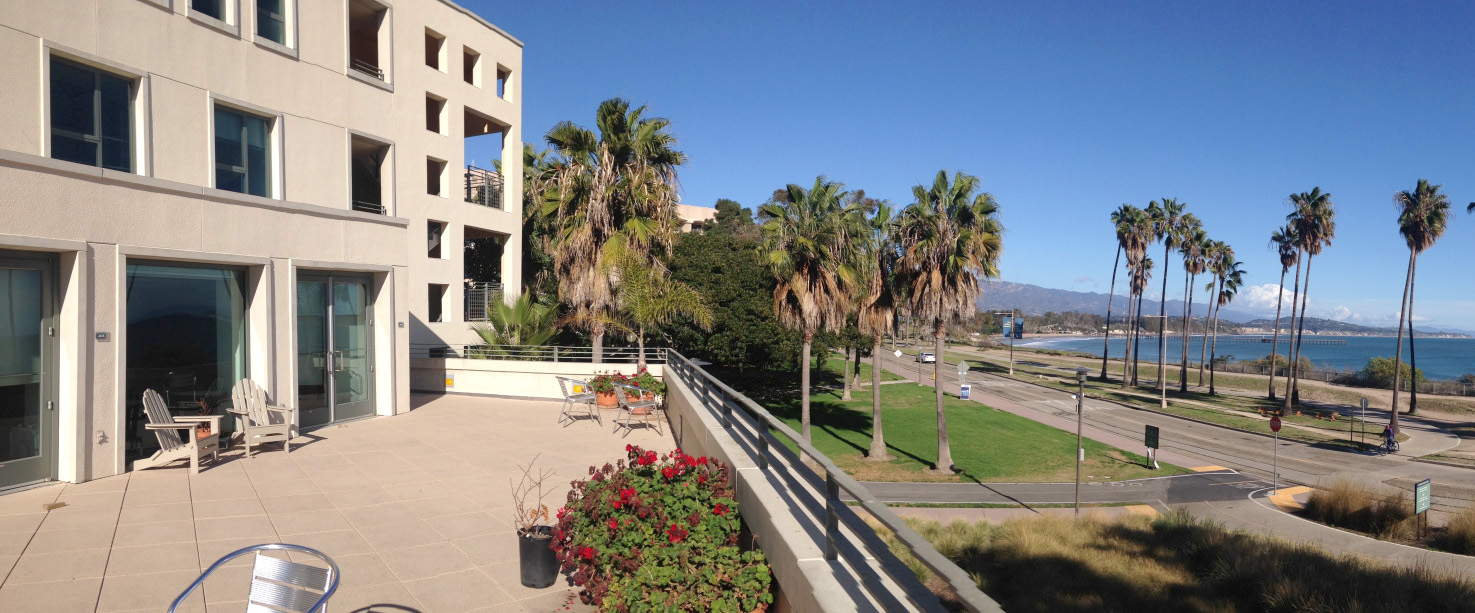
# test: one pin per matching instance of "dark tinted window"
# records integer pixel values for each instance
(213, 8)
(271, 21)
(242, 153)
(91, 116)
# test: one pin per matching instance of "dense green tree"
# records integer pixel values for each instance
(724, 268)
(1382, 371)
(732, 217)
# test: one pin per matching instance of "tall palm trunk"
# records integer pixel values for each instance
(804, 388)
(1187, 333)
(1300, 333)
(1408, 280)
(640, 345)
(1110, 298)
(1203, 350)
(1413, 361)
(1137, 338)
(597, 349)
(845, 374)
(1127, 346)
(1214, 351)
(1290, 349)
(1275, 341)
(1162, 325)
(944, 452)
(878, 440)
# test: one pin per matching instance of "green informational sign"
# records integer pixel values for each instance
(1152, 437)
(1421, 496)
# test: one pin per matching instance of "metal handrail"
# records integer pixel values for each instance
(834, 482)
(480, 296)
(541, 353)
(365, 67)
(368, 207)
(318, 606)
(483, 187)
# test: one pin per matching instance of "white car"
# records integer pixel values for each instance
(926, 358)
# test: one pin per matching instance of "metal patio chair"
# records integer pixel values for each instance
(576, 392)
(631, 409)
(277, 584)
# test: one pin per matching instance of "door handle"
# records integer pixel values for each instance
(328, 356)
(338, 362)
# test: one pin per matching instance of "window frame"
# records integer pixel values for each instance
(229, 21)
(274, 181)
(288, 45)
(97, 114)
(140, 138)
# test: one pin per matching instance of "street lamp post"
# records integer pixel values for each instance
(1080, 451)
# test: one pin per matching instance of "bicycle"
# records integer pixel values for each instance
(1389, 446)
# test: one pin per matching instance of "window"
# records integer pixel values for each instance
(271, 20)
(435, 50)
(91, 116)
(437, 298)
(435, 177)
(368, 174)
(187, 340)
(437, 231)
(212, 8)
(471, 66)
(435, 114)
(367, 36)
(503, 76)
(242, 152)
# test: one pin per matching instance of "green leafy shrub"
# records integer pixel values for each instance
(648, 382)
(659, 533)
(1379, 373)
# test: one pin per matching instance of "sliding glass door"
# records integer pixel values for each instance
(335, 372)
(27, 351)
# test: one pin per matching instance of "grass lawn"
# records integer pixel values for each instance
(987, 444)
(1173, 563)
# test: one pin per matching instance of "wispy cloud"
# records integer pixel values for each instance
(1080, 280)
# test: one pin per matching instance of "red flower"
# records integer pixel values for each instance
(669, 472)
(562, 511)
(701, 478)
(720, 509)
(614, 525)
(675, 534)
(587, 553)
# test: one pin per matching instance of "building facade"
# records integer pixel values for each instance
(193, 192)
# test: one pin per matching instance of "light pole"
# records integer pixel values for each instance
(1013, 321)
(1080, 451)
(1162, 357)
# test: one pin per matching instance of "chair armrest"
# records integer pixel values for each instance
(235, 411)
(279, 409)
(190, 426)
(197, 419)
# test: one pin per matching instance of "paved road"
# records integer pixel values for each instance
(1176, 489)
(1192, 444)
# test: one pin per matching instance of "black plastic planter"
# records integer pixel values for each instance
(539, 565)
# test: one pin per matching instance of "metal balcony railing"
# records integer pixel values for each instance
(483, 187)
(368, 207)
(365, 67)
(480, 298)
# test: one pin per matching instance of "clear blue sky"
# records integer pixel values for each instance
(1064, 110)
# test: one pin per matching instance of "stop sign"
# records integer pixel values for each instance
(1275, 424)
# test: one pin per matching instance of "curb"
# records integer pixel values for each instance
(1451, 464)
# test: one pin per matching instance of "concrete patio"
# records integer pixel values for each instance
(416, 509)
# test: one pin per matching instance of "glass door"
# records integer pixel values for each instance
(335, 373)
(27, 409)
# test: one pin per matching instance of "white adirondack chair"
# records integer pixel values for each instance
(262, 422)
(173, 446)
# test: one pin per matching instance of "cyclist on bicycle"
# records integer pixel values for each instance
(1388, 436)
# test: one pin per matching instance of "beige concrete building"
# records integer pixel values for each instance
(197, 191)
(695, 218)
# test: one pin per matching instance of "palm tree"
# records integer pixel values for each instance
(525, 322)
(878, 313)
(649, 300)
(1194, 240)
(1316, 226)
(1423, 215)
(1140, 275)
(1213, 255)
(1284, 242)
(1118, 216)
(617, 195)
(1137, 233)
(950, 241)
(1169, 230)
(807, 244)
(1231, 277)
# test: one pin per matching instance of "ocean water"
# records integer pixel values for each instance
(1439, 358)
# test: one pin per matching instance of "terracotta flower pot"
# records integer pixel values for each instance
(606, 400)
(202, 432)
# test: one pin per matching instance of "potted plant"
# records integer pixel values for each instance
(202, 431)
(534, 540)
(604, 389)
(650, 384)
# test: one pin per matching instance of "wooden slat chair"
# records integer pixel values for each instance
(631, 409)
(261, 422)
(173, 446)
(279, 585)
(576, 392)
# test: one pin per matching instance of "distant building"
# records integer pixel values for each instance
(696, 218)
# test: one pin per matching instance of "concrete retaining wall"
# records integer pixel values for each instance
(511, 378)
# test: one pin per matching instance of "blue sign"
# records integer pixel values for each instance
(1008, 326)
(966, 388)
